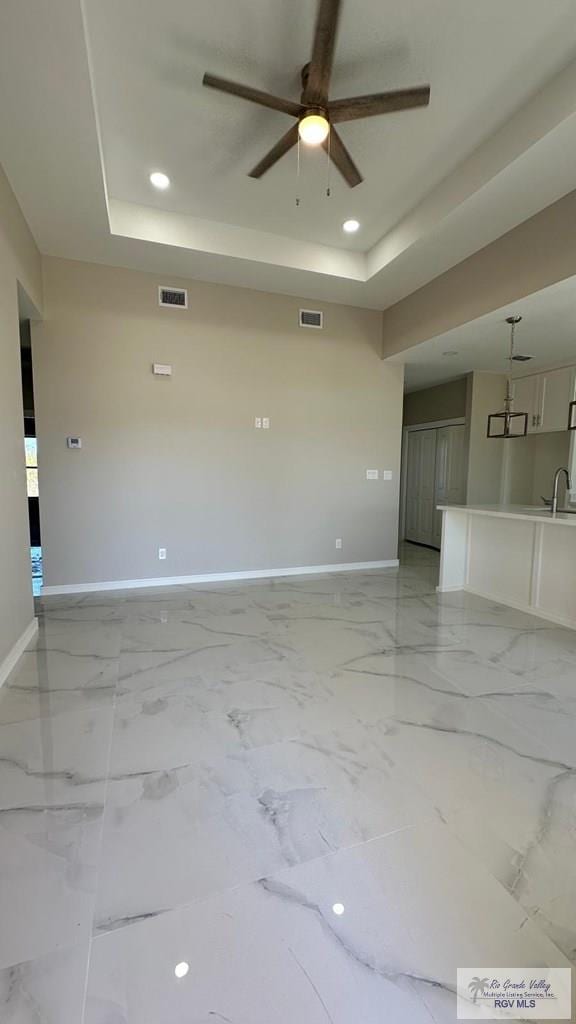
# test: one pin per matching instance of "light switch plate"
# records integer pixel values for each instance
(386, 474)
(258, 422)
(371, 474)
(74, 442)
(162, 369)
(265, 423)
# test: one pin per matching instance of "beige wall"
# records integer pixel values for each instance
(532, 256)
(19, 262)
(485, 455)
(530, 464)
(443, 402)
(177, 463)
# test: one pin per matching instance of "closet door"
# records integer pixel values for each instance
(427, 486)
(420, 485)
(413, 447)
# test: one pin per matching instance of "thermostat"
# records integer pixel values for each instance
(162, 369)
(74, 442)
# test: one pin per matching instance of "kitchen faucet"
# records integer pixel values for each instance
(557, 475)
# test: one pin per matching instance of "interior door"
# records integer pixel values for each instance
(420, 485)
(427, 483)
(442, 473)
(412, 474)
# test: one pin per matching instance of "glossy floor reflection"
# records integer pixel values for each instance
(322, 794)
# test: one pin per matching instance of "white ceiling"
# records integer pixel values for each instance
(149, 58)
(109, 91)
(547, 332)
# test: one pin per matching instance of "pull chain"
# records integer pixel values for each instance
(328, 193)
(298, 172)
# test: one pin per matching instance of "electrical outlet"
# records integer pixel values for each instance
(371, 474)
(163, 616)
(258, 423)
(161, 554)
(339, 542)
(266, 423)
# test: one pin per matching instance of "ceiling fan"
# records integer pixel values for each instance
(316, 114)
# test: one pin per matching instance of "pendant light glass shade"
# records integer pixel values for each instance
(572, 416)
(508, 423)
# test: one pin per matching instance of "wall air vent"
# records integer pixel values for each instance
(310, 318)
(177, 298)
(522, 359)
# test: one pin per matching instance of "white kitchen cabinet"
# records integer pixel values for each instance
(526, 391)
(545, 397)
(556, 392)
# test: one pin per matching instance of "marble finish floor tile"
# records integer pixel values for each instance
(71, 666)
(53, 780)
(203, 773)
(48, 990)
(412, 906)
(176, 835)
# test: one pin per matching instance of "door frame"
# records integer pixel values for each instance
(458, 421)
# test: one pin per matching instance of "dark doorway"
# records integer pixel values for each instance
(31, 454)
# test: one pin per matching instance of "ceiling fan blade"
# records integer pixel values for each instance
(320, 68)
(282, 146)
(246, 92)
(378, 103)
(341, 157)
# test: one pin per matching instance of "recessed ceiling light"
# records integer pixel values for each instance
(338, 908)
(159, 180)
(181, 969)
(351, 226)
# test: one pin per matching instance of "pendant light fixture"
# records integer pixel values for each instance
(572, 416)
(509, 423)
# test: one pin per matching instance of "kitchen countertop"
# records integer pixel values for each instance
(540, 513)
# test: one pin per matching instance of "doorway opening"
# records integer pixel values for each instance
(31, 456)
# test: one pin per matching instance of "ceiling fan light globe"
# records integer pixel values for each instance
(313, 129)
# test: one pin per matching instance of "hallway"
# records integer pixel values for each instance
(321, 794)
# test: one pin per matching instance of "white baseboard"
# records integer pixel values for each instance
(14, 655)
(216, 577)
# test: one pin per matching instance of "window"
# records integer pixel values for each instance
(31, 448)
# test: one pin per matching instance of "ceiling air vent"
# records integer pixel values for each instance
(310, 318)
(522, 359)
(175, 297)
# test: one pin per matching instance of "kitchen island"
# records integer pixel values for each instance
(520, 556)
